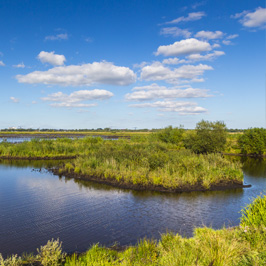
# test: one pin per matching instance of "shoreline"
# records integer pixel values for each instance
(59, 157)
(244, 155)
(123, 185)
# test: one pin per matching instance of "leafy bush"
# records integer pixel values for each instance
(51, 254)
(253, 141)
(209, 137)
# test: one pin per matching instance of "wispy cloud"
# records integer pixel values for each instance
(61, 36)
(183, 108)
(175, 32)
(2, 63)
(206, 57)
(161, 92)
(191, 17)
(197, 4)
(76, 99)
(14, 100)
(21, 65)
(88, 39)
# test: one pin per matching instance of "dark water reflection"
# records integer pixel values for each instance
(36, 206)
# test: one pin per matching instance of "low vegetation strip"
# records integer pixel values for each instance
(243, 245)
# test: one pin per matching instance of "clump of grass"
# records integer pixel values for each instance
(255, 213)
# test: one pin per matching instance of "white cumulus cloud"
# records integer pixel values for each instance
(51, 58)
(252, 19)
(76, 99)
(77, 75)
(157, 71)
(184, 47)
(209, 35)
(191, 17)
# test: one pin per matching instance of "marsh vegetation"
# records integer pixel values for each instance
(168, 160)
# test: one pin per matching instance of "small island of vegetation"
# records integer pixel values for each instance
(170, 160)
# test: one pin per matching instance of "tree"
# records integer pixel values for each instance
(253, 141)
(170, 134)
(208, 137)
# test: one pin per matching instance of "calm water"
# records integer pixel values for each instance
(36, 206)
(22, 139)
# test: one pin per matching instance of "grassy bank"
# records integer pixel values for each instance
(243, 245)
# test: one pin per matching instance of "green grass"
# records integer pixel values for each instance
(154, 164)
(239, 246)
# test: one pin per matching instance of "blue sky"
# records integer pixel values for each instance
(132, 64)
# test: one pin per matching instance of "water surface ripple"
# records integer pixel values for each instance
(36, 206)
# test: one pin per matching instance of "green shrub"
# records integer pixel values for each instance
(209, 137)
(170, 134)
(253, 141)
(51, 254)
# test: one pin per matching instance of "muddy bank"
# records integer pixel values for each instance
(122, 184)
(244, 155)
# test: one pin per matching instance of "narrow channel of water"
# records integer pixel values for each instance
(36, 206)
(29, 138)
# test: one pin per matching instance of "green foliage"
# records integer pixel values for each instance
(169, 135)
(255, 213)
(14, 260)
(253, 141)
(51, 254)
(209, 137)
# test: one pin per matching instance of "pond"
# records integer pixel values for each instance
(36, 206)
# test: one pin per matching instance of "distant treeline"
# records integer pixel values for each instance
(94, 130)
